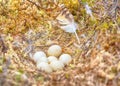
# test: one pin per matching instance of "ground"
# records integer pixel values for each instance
(26, 28)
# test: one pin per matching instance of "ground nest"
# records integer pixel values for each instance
(95, 61)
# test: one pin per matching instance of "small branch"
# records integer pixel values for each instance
(4, 48)
(38, 6)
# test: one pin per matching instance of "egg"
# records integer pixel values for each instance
(54, 50)
(65, 59)
(42, 59)
(38, 55)
(44, 67)
(52, 58)
(56, 65)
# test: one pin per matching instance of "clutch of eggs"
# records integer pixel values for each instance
(55, 60)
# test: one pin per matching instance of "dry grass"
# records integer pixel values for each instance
(25, 30)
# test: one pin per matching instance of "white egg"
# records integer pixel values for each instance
(42, 59)
(52, 58)
(54, 50)
(37, 55)
(65, 59)
(57, 65)
(44, 67)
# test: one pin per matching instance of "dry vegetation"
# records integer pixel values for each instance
(26, 27)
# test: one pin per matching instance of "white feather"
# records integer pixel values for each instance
(66, 22)
(71, 28)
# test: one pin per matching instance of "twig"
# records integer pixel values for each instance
(38, 6)
(4, 48)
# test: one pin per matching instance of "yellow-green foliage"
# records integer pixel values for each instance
(18, 16)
